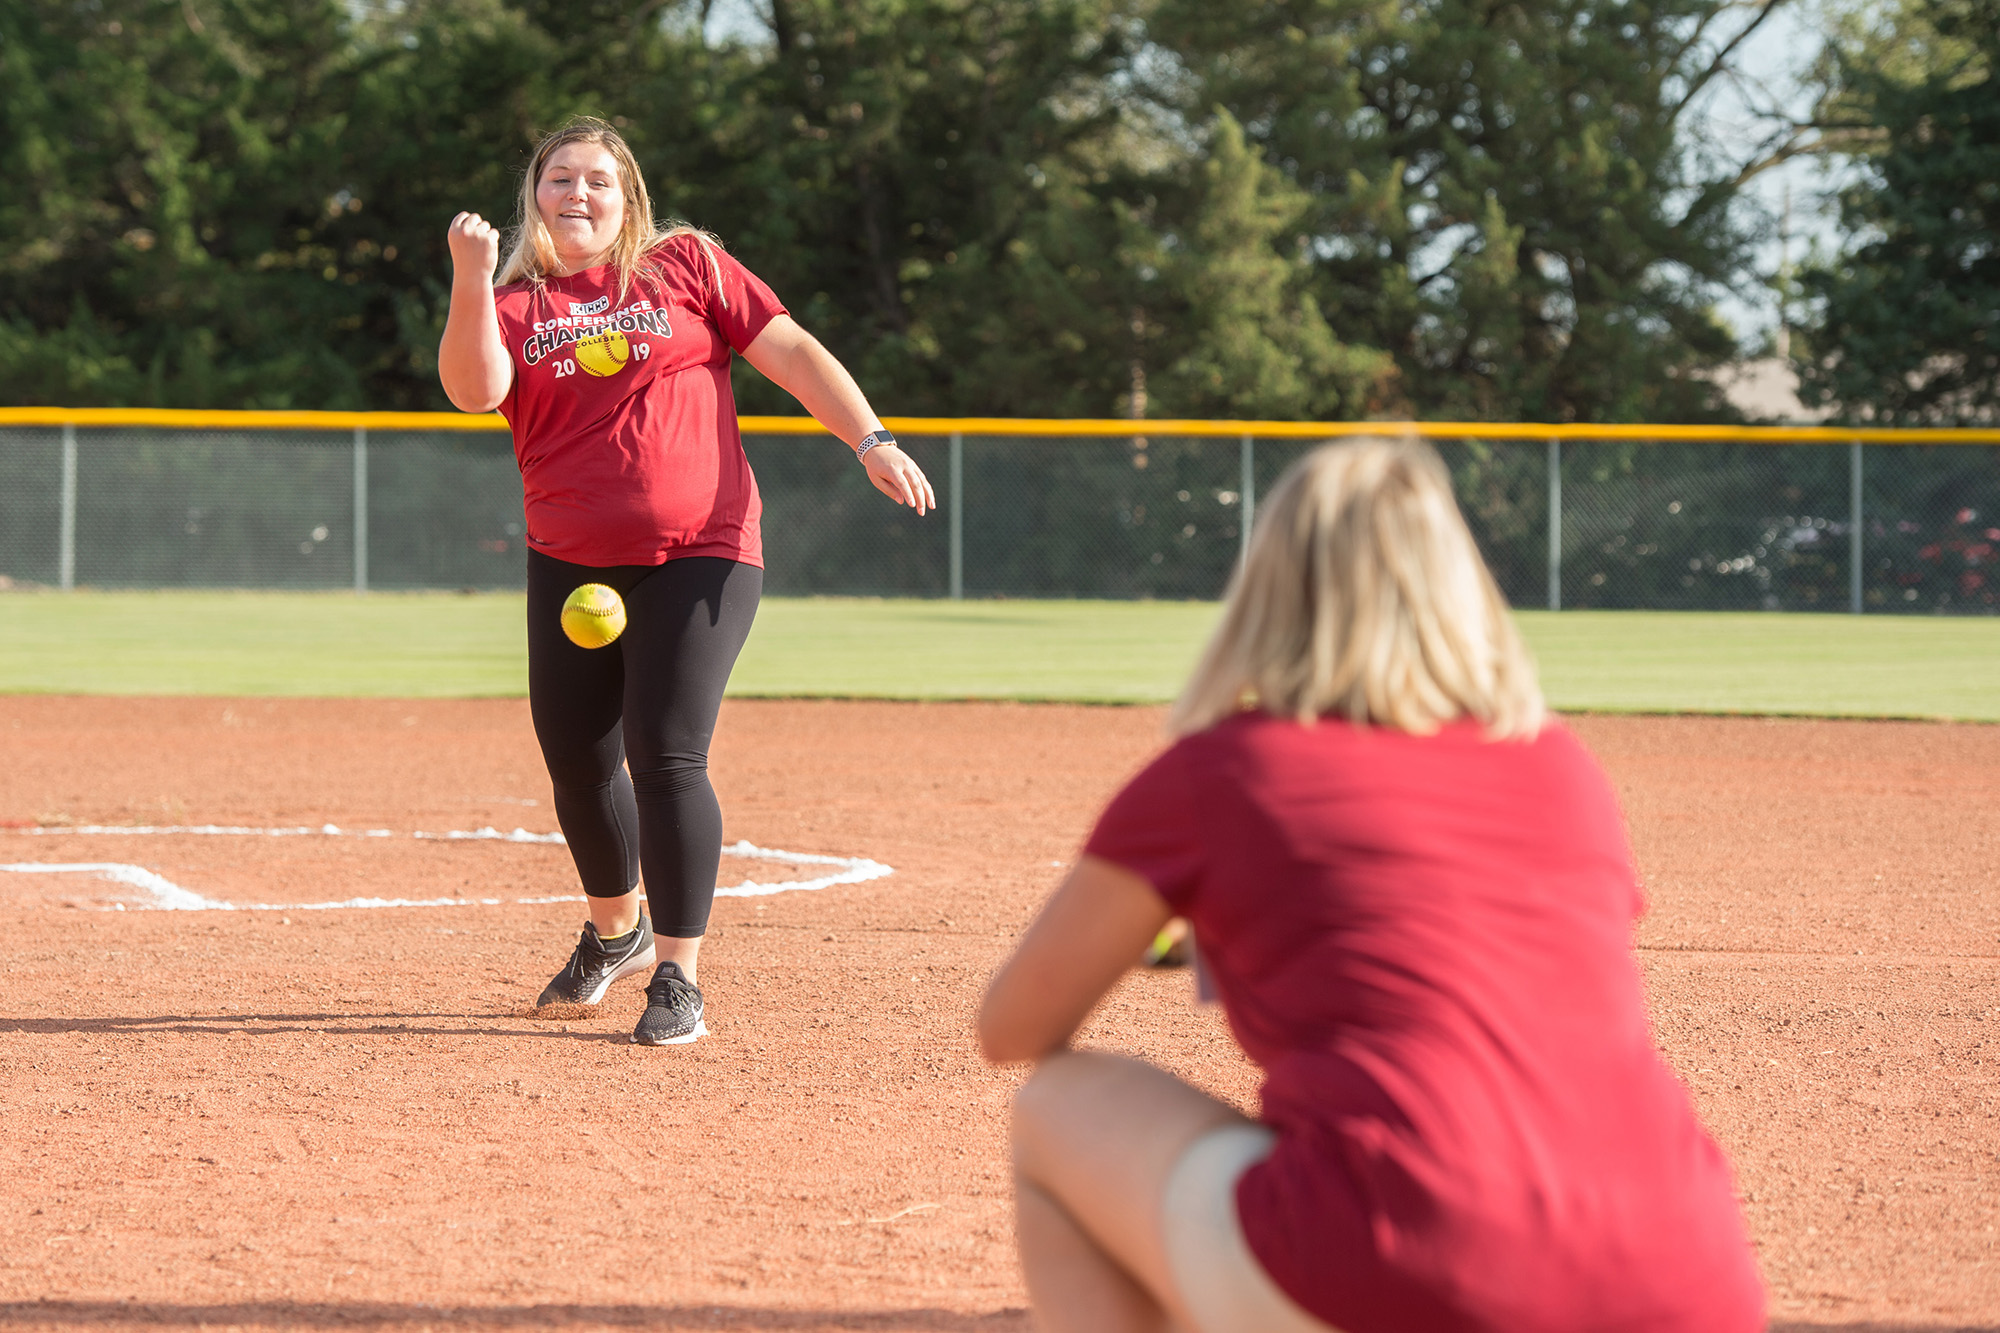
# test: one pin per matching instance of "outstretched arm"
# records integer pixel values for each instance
(1087, 936)
(473, 364)
(795, 361)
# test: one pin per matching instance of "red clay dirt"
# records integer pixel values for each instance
(304, 1118)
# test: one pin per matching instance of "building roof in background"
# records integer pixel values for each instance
(1767, 390)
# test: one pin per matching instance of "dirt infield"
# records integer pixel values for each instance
(309, 1116)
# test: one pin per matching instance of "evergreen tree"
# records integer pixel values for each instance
(1503, 196)
(927, 184)
(240, 203)
(1250, 338)
(984, 206)
(1908, 322)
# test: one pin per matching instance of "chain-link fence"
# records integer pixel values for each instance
(1797, 527)
(1637, 524)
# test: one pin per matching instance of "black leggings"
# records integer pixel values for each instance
(650, 699)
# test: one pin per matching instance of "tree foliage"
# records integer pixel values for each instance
(235, 202)
(1907, 321)
(1503, 195)
(1281, 208)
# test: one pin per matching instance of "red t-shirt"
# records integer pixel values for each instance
(624, 425)
(1425, 942)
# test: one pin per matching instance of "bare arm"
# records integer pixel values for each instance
(473, 364)
(794, 360)
(1087, 935)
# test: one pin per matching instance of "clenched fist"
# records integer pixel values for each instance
(475, 246)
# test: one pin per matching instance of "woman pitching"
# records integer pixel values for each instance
(1414, 898)
(607, 346)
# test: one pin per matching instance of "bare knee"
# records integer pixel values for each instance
(1065, 1076)
(1062, 1087)
(1085, 1113)
(1033, 1107)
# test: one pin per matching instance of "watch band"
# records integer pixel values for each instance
(870, 440)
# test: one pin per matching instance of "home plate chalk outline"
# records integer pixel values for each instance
(170, 897)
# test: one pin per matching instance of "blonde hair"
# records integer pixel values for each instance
(532, 256)
(1364, 597)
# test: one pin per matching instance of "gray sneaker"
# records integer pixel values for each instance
(673, 1010)
(594, 965)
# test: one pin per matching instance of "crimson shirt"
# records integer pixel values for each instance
(1425, 942)
(624, 424)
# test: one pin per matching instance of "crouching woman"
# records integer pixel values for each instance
(1413, 895)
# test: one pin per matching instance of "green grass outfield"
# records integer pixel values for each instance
(448, 644)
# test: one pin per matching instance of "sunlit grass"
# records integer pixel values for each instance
(440, 644)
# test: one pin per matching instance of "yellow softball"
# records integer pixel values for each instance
(593, 615)
(603, 354)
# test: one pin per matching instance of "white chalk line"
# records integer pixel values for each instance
(487, 834)
(169, 896)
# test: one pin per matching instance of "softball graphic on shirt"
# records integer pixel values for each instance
(604, 353)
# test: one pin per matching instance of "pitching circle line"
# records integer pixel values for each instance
(169, 896)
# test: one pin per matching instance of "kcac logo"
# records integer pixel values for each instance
(597, 307)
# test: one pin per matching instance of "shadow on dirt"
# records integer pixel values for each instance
(347, 1024)
(364, 1315)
